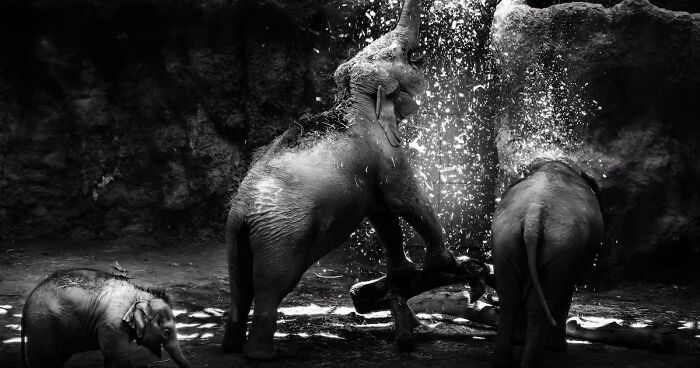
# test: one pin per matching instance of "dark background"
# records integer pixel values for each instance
(139, 117)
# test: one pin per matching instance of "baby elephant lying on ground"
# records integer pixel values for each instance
(545, 232)
(78, 310)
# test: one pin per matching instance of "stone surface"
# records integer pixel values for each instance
(616, 88)
(129, 117)
(120, 117)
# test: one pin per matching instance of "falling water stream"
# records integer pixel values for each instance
(452, 141)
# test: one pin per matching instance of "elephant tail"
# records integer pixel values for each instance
(532, 232)
(239, 252)
(240, 264)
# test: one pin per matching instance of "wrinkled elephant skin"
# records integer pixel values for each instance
(83, 309)
(546, 229)
(304, 195)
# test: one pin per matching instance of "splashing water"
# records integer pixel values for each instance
(548, 119)
(450, 140)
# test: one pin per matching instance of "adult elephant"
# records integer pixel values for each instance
(546, 229)
(311, 188)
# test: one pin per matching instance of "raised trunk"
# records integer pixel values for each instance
(409, 23)
(173, 348)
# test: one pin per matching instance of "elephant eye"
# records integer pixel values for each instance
(416, 56)
(167, 331)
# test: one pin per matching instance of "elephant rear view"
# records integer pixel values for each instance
(546, 230)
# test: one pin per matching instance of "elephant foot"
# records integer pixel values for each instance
(557, 346)
(476, 290)
(405, 343)
(232, 342)
(258, 352)
(231, 346)
(401, 271)
(439, 259)
(501, 362)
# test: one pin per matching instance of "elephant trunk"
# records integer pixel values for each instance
(409, 23)
(173, 348)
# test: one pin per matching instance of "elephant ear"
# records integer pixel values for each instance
(388, 124)
(137, 317)
(594, 186)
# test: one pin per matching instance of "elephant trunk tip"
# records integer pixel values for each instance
(410, 17)
(173, 348)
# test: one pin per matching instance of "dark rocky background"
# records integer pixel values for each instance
(134, 117)
(623, 85)
(139, 117)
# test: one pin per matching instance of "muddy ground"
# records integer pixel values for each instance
(325, 333)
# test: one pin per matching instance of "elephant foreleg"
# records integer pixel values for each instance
(389, 230)
(411, 204)
(115, 348)
(398, 268)
(404, 319)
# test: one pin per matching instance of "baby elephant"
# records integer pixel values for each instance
(82, 309)
(546, 229)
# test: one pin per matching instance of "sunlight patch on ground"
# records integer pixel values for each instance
(430, 316)
(329, 335)
(187, 337)
(177, 312)
(14, 340)
(14, 327)
(207, 325)
(216, 312)
(199, 315)
(579, 342)
(478, 338)
(595, 322)
(342, 311)
(185, 325)
(380, 314)
(639, 325)
(688, 325)
(17, 315)
(373, 325)
(308, 310)
(206, 335)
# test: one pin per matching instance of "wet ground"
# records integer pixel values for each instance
(318, 327)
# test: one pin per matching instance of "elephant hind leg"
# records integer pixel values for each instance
(557, 341)
(511, 310)
(537, 331)
(45, 350)
(240, 263)
(275, 275)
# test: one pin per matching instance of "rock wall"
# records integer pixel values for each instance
(137, 117)
(617, 88)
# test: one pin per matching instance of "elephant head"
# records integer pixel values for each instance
(154, 326)
(383, 78)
